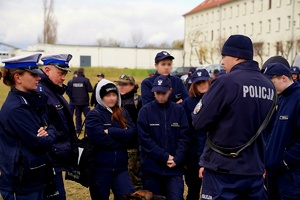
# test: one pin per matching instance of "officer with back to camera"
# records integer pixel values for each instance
(231, 112)
(64, 152)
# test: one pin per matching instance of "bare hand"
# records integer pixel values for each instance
(201, 170)
(42, 132)
(106, 131)
(171, 164)
(180, 101)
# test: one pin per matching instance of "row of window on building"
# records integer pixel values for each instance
(235, 11)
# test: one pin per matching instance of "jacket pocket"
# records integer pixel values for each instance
(61, 150)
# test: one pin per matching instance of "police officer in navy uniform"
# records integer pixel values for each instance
(163, 64)
(231, 112)
(163, 140)
(64, 152)
(69, 92)
(25, 133)
(188, 81)
(283, 148)
(295, 73)
(81, 87)
(200, 85)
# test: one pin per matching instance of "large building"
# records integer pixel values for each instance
(273, 26)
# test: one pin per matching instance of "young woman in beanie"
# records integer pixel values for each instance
(110, 129)
(200, 85)
(25, 133)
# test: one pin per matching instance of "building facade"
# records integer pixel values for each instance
(273, 26)
(95, 56)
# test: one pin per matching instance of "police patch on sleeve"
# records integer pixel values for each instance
(198, 107)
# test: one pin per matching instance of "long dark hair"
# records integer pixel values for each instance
(118, 116)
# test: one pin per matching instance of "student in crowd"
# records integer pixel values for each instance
(100, 76)
(200, 85)
(132, 102)
(283, 148)
(163, 65)
(163, 138)
(64, 152)
(81, 87)
(25, 133)
(188, 81)
(295, 73)
(110, 129)
(69, 93)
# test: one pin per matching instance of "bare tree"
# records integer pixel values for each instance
(49, 35)
(150, 45)
(284, 49)
(101, 42)
(164, 45)
(137, 38)
(258, 50)
(193, 40)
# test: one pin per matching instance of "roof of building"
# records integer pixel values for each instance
(207, 4)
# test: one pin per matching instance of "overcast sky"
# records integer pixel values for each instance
(83, 21)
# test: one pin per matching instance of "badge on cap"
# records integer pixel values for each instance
(198, 107)
(199, 73)
(165, 53)
(160, 82)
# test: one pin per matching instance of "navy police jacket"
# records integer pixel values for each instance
(111, 148)
(283, 148)
(179, 91)
(64, 152)
(163, 130)
(197, 138)
(79, 89)
(23, 155)
(231, 112)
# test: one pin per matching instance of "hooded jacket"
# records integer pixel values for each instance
(111, 148)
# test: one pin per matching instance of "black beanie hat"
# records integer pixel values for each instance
(238, 46)
(110, 87)
(276, 59)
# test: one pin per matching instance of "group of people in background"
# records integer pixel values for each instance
(235, 135)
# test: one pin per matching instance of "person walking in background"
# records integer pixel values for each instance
(100, 76)
(163, 65)
(163, 139)
(80, 89)
(110, 129)
(69, 93)
(132, 102)
(200, 85)
(283, 148)
(64, 154)
(188, 81)
(233, 169)
(25, 132)
(295, 73)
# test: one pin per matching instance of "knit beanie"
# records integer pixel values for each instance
(238, 46)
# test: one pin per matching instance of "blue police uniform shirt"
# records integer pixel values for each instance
(284, 144)
(179, 90)
(231, 112)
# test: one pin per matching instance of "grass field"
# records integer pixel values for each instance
(76, 191)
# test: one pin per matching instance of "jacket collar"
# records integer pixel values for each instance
(129, 95)
(157, 74)
(290, 90)
(53, 87)
(247, 65)
(34, 99)
(165, 105)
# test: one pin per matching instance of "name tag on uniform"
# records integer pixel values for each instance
(176, 125)
(283, 117)
(106, 124)
(154, 124)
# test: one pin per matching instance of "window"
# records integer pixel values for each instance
(252, 29)
(288, 2)
(261, 5)
(269, 26)
(245, 29)
(218, 15)
(270, 4)
(212, 16)
(237, 10)
(245, 8)
(252, 6)
(260, 27)
(237, 29)
(288, 24)
(201, 19)
(207, 18)
(224, 13)
(230, 30)
(268, 49)
(278, 3)
(212, 35)
(278, 24)
(230, 12)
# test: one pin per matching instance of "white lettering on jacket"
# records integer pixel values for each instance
(77, 84)
(258, 92)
